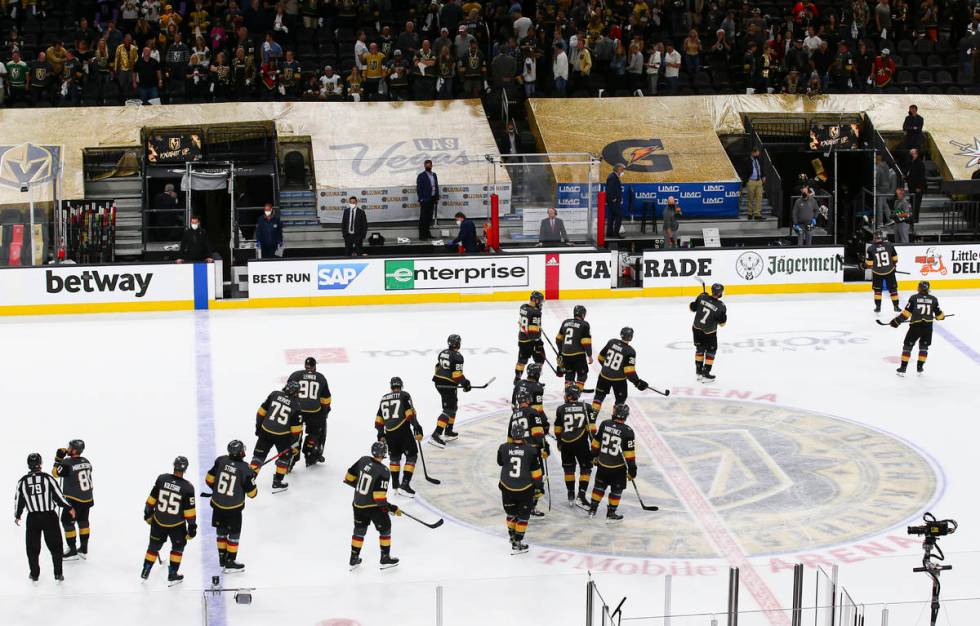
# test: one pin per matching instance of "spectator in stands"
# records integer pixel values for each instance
(882, 70)
(40, 81)
(148, 78)
(614, 201)
(220, 78)
(915, 178)
(692, 52)
(672, 63)
(466, 237)
(913, 129)
(552, 229)
(331, 86)
(353, 227)
(581, 67)
(754, 183)
(634, 69)
(175, 62)
(902, 216)
(271, 50)
(202, 50)
(446, 72)
(355, 85)
(473, 67)
(56, 55)
(841, 71)
(408, 40)
(291, 73)
(670, 223)
(559, 70)
(805, 211)
(374, 72)
(654, 62)
(427, 192)
(885, 183)
(883, 19)
(397, 72)
(268, 233)
(194, 244)
(122, 66)
(18, 79)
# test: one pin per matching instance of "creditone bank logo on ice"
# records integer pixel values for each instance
(466, 273)
(769, 480)
(337, 275)
(784, 341)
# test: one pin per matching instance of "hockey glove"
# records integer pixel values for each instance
(258, 430)
(395, 510)
(896, 321)
(467, 385)
(61, 453)
(191, 531)
(642, 385)
(418, 432)
(546, 450)
(148, 514)
(631, 472)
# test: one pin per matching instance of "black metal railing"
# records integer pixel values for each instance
(961, 217)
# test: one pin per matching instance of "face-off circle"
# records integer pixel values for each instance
(779, 479)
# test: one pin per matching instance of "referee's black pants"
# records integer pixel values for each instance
(45, 523)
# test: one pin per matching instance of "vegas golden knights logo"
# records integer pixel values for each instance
(28, 164)
(174, 143)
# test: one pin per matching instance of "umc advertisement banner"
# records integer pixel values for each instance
(762, 270)
(948, 265)
(695, 199)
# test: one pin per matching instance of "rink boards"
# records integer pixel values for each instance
(464, 278)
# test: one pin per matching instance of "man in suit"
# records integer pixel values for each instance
(753, 185)
(552, 229)
(194, 244)
(466, 236)
(268, 233)
(915, 178)
(427, 189)
(614, 201)
(353, 225)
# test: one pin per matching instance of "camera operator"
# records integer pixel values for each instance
(805, 211)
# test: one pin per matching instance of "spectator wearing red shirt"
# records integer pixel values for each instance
(882, 71)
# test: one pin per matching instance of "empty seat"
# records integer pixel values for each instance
(924, 45)
(913, 62)
(924, 77)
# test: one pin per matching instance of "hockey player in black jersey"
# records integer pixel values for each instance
(398, 427)
(171, 515)
(520, 480)
(529, 342)
(314, 399)
(614, 451)
(709, 313)
(369, 477)
(618, 359)
(75, 472)
(574, 429)
(920, 312)
(882, 260)
(448, 378)
(231, 480)
(535, 425)
(574, 341)
(277, 423)
(533, 386)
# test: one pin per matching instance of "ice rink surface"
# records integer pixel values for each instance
(808, 448)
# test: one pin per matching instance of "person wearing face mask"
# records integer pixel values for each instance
(466, 236)
(805, 216)
(353, 226)
(268, 233)
(194, 245)
(427, 189)
(671, 223)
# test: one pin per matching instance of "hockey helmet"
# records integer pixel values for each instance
(717, 290)
(879, 235)
(626, 334)
(522, 397)
(621, 412)
(76, 445)
(924, 287)
(310, 364)
(34, 461)
(572, 393)
(379, 450)
(537, 298)
(454, 342)
(516, 431)
(534, 371)
(579, 311)
(396, 383)
(291, 388)
(236, 449)
(181, 463)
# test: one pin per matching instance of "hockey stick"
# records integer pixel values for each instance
(645, 507)
(665, 392)
(205, 494)
(881, 323)
(547, 479)
(704, 289)
(425, 472)
(435, 524)
(552, 367)
(485, 385)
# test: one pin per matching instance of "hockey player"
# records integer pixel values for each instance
(709, 314)
(75, 472)
(535, 426)
(369, 477)
(277, 424)
(448, 378)
(613, 449)
(574, 341)
(533, 386)
(574, 429)
(618, 361)
(520, 480)
(314, 399)
(171, 515)
(882, 261)
(921, 310)
(399, 428)
(230, 480)
(529, 342)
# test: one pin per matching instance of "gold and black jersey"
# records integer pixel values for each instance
(75, 473)
(520, 466)
(529, 323)
(280, 415)
(374, 65)
(534, 390)
(882, 258)
(314, 392)
(172, 501)
(532, 422)
(574, 337)
(618, 360)
(230, 480)
(614, 445)
(923, 309)
(709, 313)
(449, 369)
(573, 420)
(395, 412)
(473, 64)
(369, 479)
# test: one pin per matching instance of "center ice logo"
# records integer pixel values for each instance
(337, 275)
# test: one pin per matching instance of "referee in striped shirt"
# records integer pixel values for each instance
(39, 493)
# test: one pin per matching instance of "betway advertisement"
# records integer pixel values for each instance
(740, 266)
(940, 262)
(105, 284)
